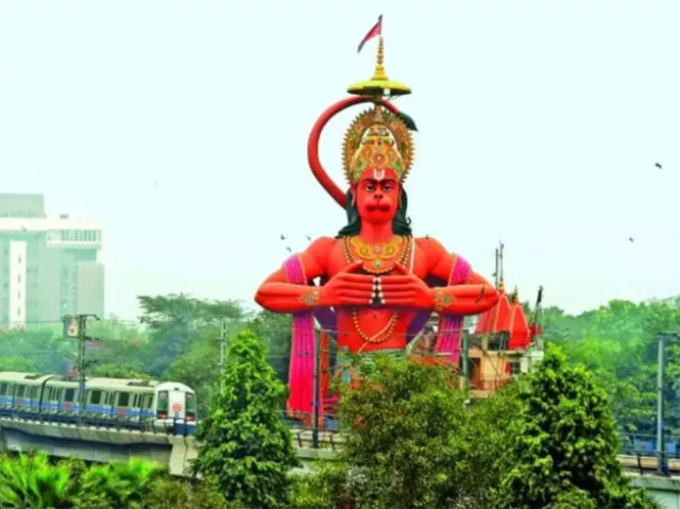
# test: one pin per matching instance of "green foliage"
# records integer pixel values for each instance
(491, 427)
(408, 446)
(275, 329)
(131, 370)
(117, 485)
(564, 452)
(30, 481)
(19, 364)
(618, 343)
(246, 446)
(170, 493)
(38, 349)
(176, 322)
(325, 487)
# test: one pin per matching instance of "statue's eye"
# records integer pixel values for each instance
(370, 188)
(387, 187)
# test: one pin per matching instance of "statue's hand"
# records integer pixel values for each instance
(406, 289)
(347, 288)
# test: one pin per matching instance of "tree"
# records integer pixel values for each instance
(566, 444)
(176, 322)
(492, 426)
(407, 446)
(245, 445)
(275, 329)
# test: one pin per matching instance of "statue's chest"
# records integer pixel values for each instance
(377, 260)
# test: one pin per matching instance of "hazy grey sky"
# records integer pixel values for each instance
(183, 125)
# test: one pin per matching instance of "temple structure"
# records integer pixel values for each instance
(504, 343)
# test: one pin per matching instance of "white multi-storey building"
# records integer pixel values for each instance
(49, 267)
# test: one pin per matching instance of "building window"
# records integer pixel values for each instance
(19, 278)
(19, 311)
(515, 368)
(19, 259)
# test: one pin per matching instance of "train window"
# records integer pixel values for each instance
(123, 398)
(69, 395)
(3, 389)
(95, 397)
(163, 401)
(190, 406)
(148, 401)
(48, 394)
(20, 391)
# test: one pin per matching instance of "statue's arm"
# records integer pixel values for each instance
(278, 295)
(474, 296)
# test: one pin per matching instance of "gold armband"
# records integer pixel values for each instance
(441, 301)
(312, 298)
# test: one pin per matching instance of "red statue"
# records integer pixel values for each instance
(378, 284)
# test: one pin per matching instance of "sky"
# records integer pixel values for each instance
(183, 126)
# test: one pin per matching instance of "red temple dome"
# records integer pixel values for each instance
(520, 336)
(497, 319)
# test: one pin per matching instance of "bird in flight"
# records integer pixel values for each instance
(283, 237)
(658, 166)
(308, 238)
(289, 249)
(631, 239)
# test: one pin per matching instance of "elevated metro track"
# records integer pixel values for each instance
(102, 444)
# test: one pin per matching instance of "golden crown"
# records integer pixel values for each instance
(377, 138)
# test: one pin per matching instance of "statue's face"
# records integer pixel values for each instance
(377, 195)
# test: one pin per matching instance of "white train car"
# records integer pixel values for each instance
(115, 402)
(21, 392)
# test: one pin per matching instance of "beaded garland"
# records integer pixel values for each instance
(377, 253)
(382, 335)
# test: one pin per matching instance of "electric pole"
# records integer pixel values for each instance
(662, 467)
(79, 323)
(223, 343)
(316, 391)
(466, 362)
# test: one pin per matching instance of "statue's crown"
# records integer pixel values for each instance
(378, 139)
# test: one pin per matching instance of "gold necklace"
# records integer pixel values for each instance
(377, 258)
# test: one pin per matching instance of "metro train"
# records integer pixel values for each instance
(115, 402)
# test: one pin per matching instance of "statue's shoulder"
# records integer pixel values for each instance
(322, 246)
(429, 244)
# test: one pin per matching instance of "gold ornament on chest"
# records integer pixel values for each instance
(379, 258)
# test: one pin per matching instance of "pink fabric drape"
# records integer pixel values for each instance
(301, 374)
(451, 326)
